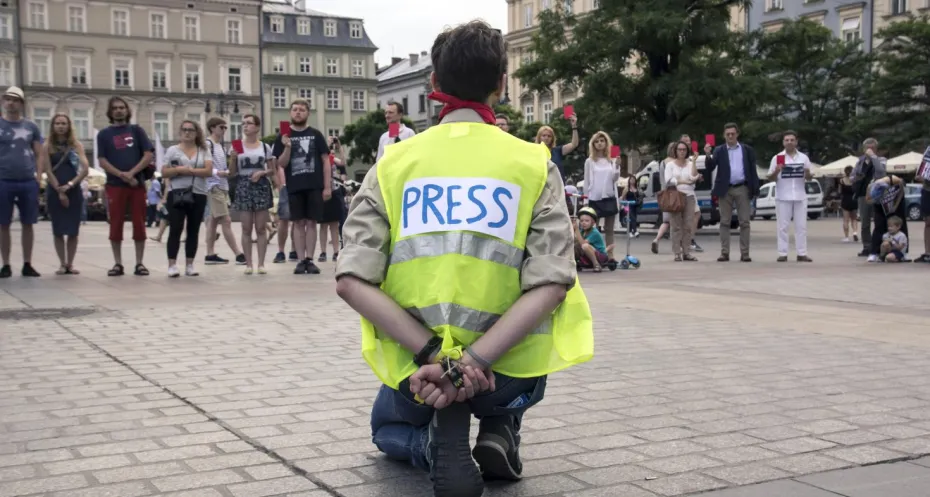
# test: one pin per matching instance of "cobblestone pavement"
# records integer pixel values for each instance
(706, 376)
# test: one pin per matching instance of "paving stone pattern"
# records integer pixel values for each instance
(227, 387)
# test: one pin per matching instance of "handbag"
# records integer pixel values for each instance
(605, 206)
(184, 198)
(671, 200)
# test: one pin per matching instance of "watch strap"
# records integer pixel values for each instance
(432, 346)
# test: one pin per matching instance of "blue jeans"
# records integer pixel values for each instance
(399, 424)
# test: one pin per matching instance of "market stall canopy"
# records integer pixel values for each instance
(96, 177)
(905, 164)
(835, 169)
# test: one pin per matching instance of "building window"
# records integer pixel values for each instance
(78, 70)
(162, 125)
(333, 97)
(42, 116)
(119, 20)
(235, 127)
(333, 132)
(355, 30)
(233, 31)
(596, 4)
(195, 117)
(279, 97)
(546, 4)
(40, 69)
(527, 16)
(422, 104)
(159, 75)
(303, 26)
(898, 7)
(277, 64)
(158, 26)
(6, 72)
(77, 18)
(774, 5)
(851, 31)
(528, 113)
(38, 15)
(192, 76)
(329, 28)
(6, 27)
(358, 100)
(569, 6)
(80, 120)
(305, 66)
(547, 112)
(234, 76)
(358, 68)
(403, 102)
(121, 73)
(277, 24)
(306, 94)
(332, 67)
(191, 28)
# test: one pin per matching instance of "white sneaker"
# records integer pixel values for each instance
(173, 272)
(872, 258)
(189, 271)
(846, 240)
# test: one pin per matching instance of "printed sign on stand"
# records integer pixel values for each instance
(924, 170)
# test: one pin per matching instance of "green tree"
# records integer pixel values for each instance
(813, 82)
(363, 135)
(650, 69)
(898, 100)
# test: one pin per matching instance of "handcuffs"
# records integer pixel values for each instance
(451, 367)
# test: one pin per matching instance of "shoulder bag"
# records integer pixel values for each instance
(671, 200)
(184, 198)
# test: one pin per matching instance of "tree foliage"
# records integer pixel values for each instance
(363, 135)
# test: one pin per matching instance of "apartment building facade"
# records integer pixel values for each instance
(327, 60)
(171, 60)
(9, 45)
(853, 21)
(407, 82)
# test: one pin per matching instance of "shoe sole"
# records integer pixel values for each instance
(454, 471)
(492, 458)
(214, 263)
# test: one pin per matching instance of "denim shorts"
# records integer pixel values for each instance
(24, 195)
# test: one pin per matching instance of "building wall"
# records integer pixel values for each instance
(889, 11)
(406, 82)
(9, 45)
(72, 55)
(848, 20)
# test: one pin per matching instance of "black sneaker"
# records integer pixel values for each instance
(695, 247)
(29, 271)
(311, 267)
(214, 259)
(335, 256)
(922, 258)
(240, 260)
(292, 256)
(6, 271)
(301, 268)
(864, 253)
(497, 450)
(452, 469)
(280, 258)
(322, 257)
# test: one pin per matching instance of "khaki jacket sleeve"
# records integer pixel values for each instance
(366, 234)
(550, 249)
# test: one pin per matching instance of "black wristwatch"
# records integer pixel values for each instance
(432, 346)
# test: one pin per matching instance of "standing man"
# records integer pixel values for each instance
(925, 213)
(21, 165)
(308, 174)
(790, 170)
(869, 168)
(502, 122)
(737, 183)
(393, 113)
(124, 150)
(459, 264)
(218, 196)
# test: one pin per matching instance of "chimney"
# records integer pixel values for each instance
(300, 5)
(395, 60)
(424, 53)
(414, 58)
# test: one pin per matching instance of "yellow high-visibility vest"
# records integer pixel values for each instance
(459, 199)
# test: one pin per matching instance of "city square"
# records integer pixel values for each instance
(812, 380)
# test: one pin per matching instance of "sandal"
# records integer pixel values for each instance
(71, 270)
(117, 270)
(689, 258)
(141, 270)
(248, 270)
(598, 269)
(261, 270)
(63, 270)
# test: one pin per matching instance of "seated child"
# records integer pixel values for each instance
(894, 242)
(589, 243)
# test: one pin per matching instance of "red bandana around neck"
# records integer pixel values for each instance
(453, 103)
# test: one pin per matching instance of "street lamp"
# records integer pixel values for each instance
(222, 105)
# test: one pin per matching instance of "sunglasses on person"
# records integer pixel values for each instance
(188, 130)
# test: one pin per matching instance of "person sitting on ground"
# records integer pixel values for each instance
(589, 242)
(894, 242)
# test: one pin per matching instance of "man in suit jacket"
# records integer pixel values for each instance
(737, 182)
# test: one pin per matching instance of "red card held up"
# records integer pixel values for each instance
(285, 127)
(568, 111)
(694, 147)
(237, 146)
(394, 130)
(780, 159)
(710, 139)
(614, 151)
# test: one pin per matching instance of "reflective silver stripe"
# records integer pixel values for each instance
(447, 313)
(457, 242)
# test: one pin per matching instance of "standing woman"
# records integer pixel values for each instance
(189, 163)
(849, 205)
(64, 197)
(546, 136)
(600, 185)
(629, 193)
(254, 166)
(682, 173)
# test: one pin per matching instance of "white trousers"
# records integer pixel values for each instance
(785, 210)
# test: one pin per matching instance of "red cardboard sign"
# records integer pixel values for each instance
(394, 130)
(694, 147)
(568, 111)
(237, 146)
(285, 127)
(614, 151)
(780, 159)
(710, 139)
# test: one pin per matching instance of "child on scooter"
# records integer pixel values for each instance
(590, 250)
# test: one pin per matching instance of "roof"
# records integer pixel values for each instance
(403, 68)
(286, 7)
(290, 14)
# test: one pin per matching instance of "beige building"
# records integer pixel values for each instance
(9, 45)
(171, 59)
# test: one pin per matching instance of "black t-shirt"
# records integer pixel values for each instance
(123, 146)
(305, 169)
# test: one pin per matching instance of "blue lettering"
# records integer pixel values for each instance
(474, 199)
(452, 204)
(410, 203)
(429, 201)
(500, 191)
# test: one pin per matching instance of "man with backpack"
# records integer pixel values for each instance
(218, 196)
(869, 168)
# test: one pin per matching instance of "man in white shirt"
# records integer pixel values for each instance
(791, 169)
(393, 113)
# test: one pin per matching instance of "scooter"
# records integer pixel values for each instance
(628, 261)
